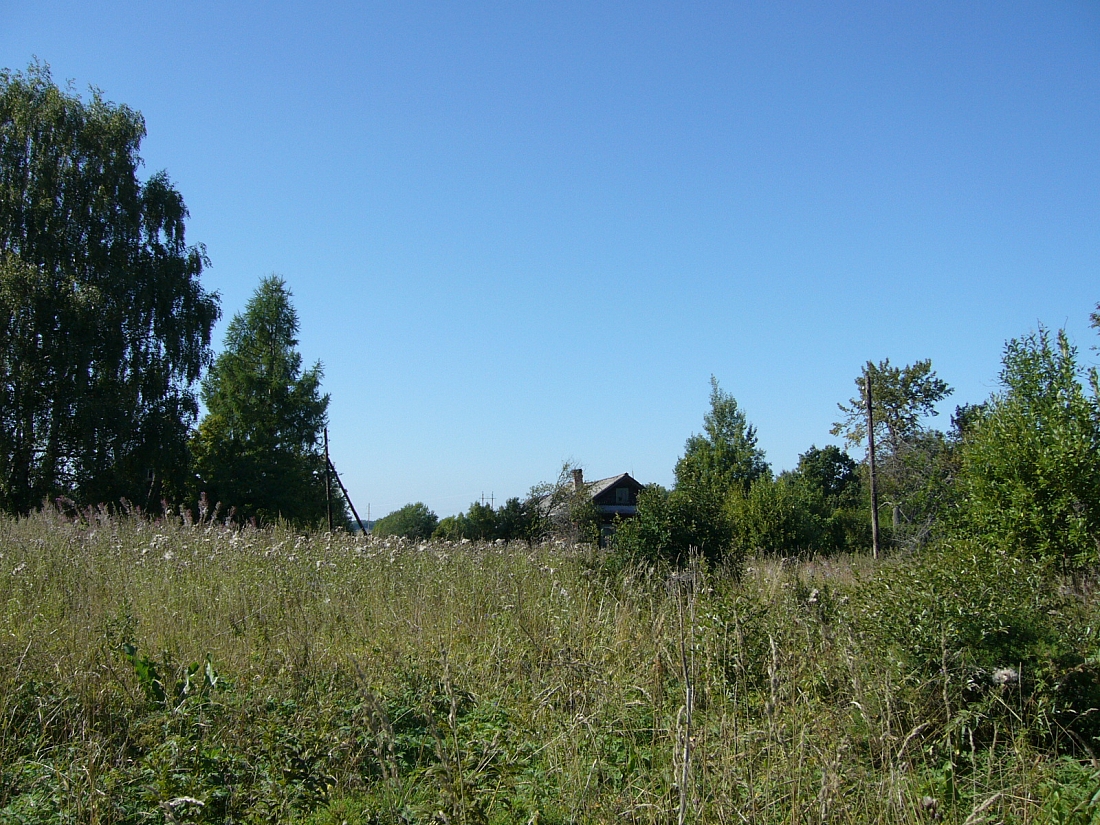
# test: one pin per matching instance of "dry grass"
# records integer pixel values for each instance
(361, 681)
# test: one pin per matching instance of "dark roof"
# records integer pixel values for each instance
(594, 488)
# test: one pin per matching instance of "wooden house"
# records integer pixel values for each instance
(615, 497)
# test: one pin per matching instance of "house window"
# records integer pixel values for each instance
(622, 495)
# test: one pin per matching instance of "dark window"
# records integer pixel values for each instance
(622, 495)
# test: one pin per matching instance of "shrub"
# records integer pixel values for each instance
(670, 525)
(1031, 468)
(776, 517)
(986, 638)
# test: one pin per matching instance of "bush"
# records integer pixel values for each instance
(451, 528)
(776, 517)
(670, 525)
(986, 638)
(1031, 467)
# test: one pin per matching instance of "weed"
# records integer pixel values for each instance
(366, 681)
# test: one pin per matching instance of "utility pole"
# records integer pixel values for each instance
(347, 498)
(871, 463)
(330, 473)
(328, 483)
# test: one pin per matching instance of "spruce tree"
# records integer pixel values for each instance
(259, 448)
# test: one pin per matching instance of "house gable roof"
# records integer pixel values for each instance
(596, 488)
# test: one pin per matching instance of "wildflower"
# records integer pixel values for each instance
(1006, 676)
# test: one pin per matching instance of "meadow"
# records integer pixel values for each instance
(174, 672)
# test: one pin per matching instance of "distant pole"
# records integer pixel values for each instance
(328, 483)
(871, 463)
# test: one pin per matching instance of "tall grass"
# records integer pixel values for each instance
(159, 672)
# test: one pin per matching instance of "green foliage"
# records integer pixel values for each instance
(991, 642)
(828, 486)
(481, 522)
(902, 398)
(196, 680)
(722, 462)
(830, 475)
(725, 456)
(104, 327)
(413, 521)
(259, 448)
(963, 599)
(915, 467)
(451, 528)
(517, 520)
(1031, 466)
(671, 525)
(777, 517)
(514, 520)
(924, 476)
(790, 516)
(1072, 795)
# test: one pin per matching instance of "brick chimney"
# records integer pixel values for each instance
(578, 480)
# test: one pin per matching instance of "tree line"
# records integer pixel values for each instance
(550, 510)
(1019, 471)
(105, 334)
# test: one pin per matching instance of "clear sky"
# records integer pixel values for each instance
(523, 233)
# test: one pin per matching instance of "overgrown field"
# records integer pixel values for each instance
(171, 673)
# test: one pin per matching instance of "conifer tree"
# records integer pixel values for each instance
(259, 448)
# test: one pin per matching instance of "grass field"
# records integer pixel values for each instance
(162, 672)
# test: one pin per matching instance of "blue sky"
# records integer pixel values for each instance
(523, 233)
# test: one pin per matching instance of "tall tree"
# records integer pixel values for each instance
(913, 478)
(104, 326)
(725, 456)
(259, 448)
(903, 397)
(717, 466)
